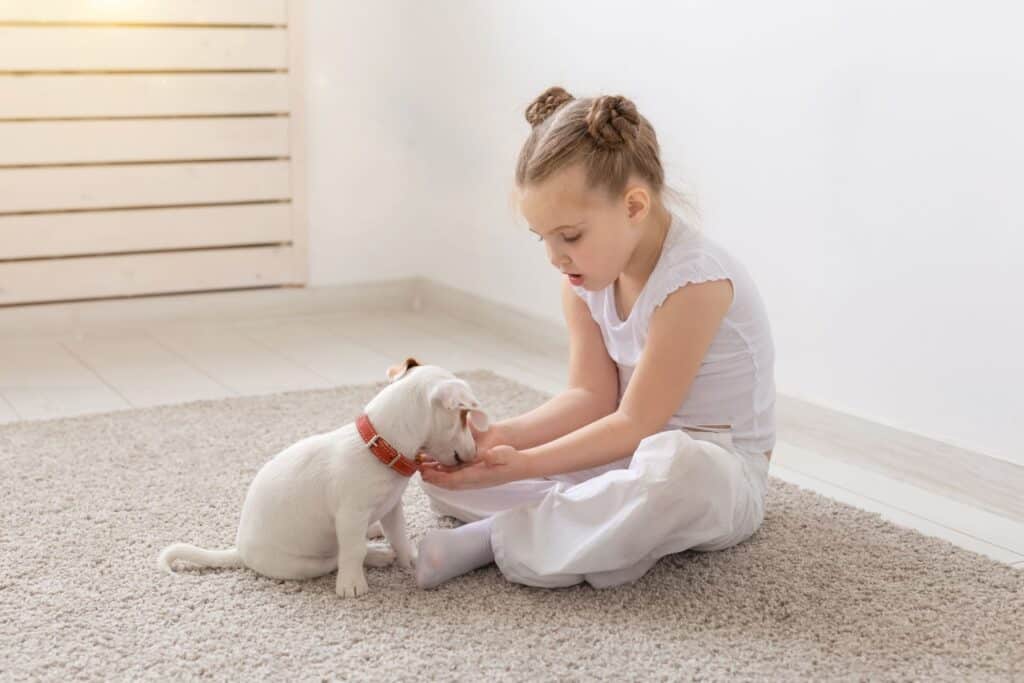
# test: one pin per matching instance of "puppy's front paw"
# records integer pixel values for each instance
(351, 586)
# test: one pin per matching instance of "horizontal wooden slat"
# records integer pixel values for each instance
(96, 187)
(110, 232)
(147, 11)
(77, 96)
(72, 142)
(30, 48)
(133, 274)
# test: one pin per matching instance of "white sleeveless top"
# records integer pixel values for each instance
(735, 384)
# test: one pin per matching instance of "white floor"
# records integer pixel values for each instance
(102, 367)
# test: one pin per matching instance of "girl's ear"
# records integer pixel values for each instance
(396, 372)
(637, 203)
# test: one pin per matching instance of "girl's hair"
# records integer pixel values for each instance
(605, 134)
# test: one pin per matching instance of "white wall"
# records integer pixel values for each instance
(862, 158)
(356, 122)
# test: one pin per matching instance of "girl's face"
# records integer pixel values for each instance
(588, 235)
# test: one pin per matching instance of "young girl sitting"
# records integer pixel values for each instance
(661, 442)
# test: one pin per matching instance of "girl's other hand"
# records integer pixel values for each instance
(485, 441)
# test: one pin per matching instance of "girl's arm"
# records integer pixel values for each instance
(681, 331)
(593, 386)
(564, 413)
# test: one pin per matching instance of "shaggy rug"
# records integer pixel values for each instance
(822, 591)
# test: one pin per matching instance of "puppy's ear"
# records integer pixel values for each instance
(454, 394)
(479, 420)
(398, 371)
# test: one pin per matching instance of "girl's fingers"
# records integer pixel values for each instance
(434, 464)
(440, 475)
(442, 479)
(431, 464)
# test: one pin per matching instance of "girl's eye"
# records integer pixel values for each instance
(570, 239)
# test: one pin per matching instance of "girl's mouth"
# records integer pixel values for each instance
(575, 279)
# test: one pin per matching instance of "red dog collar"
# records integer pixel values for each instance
(383, 450)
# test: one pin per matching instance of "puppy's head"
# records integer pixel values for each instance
(447, 408)
(454, 410)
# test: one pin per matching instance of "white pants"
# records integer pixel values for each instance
(609, 525)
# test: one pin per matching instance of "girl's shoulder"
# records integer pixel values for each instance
(688, 256)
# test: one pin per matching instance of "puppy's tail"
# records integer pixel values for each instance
(199, 556)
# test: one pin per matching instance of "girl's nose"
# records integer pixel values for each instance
(558, 260)
(560, 263)
(553, 256)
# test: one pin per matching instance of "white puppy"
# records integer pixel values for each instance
(310, 508)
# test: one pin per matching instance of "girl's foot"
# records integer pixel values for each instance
(447, 553)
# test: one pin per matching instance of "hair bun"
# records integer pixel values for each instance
(546, 104)
(613, 121)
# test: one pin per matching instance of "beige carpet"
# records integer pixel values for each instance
(822, 592)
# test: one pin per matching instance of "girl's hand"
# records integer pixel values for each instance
(485, 441)
(498, 465)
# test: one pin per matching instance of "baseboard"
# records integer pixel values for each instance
(983, 481)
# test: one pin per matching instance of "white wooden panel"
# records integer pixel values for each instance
(147, 11)
(99, 187)
(110, 232)
(103, 167)
(133, 274)
(70, 96)
(61, 48)
(66, 142)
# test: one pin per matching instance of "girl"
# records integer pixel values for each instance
(662, 440)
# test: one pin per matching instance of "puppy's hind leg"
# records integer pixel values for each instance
(351, 533)
(394, 530)
(378, 555)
